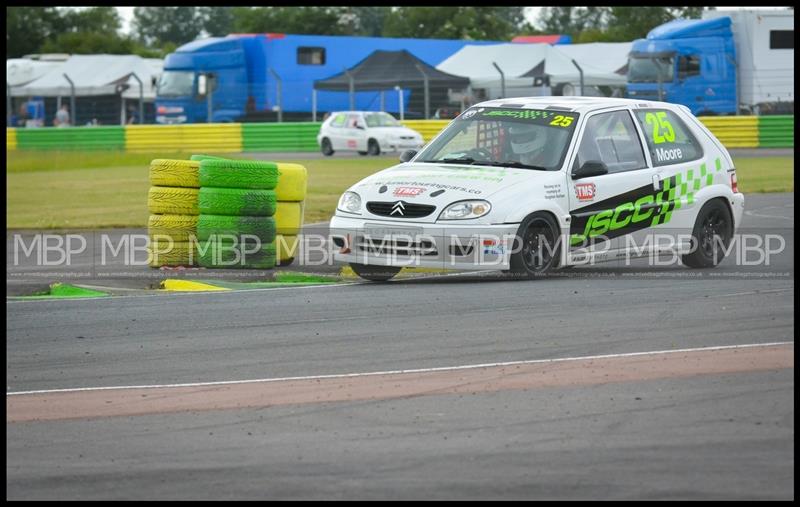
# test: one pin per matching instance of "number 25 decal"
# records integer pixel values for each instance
(662, 128)
(562, 121)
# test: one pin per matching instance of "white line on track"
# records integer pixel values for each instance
(396, 372)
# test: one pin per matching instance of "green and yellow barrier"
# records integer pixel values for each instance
(732, 131)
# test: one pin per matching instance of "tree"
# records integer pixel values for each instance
(27, 28)
(160, 25)
(472, 23)
(217, 21)
(104, 20)
(572, 20)
(366, 21)
(299, 20)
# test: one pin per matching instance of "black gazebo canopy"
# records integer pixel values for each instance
(383, 70)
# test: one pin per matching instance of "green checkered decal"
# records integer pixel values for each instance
(680, 189)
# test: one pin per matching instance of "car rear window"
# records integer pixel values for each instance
(669, 139)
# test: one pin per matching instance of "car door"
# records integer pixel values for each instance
(682, 170)
(336, 132)
(354, 137)
(606, 207)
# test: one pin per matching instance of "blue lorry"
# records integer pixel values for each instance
(244, 73)
(727, 63)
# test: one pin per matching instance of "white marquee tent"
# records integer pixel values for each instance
(95, 75)
(607, 56)
(20, 71)
(525, 64)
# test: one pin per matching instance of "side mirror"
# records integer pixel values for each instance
(202, 85)
(407, 155)
(590, 168)
(359, 126)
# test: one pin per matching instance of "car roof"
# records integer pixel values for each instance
(355, 112)
(574, 104)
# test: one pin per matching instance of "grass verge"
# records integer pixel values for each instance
(72, 190)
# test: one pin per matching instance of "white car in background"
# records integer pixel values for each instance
(366, 132)
(532, 184)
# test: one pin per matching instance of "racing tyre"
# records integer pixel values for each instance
(374, 273)
(172, 200)
(235, 201)
(285, 249)
(289, 217)
(227, 255)
(177, 227)
(292, 182)
(174, 173)
(261, 227)
(327, 148)
(536, 249)
(181, 253)
(373, 148)
(200, 158)
(711, 235)
(222, 173)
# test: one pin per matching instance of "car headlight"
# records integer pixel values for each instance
(463, 210)
(350, 202)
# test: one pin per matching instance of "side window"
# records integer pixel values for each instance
(669, 139)
(781, 39)
(611, 138)
(353, 121)
(310, 56)
(338, 120)
(688, 66)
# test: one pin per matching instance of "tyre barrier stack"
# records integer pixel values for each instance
(223, 213)
(173, 205)
(290, 194)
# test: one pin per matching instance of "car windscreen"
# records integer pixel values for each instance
(381, 120)
(176, 84)
(647, 69)
(523, 138)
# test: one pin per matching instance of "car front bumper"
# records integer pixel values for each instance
(411, 244)
(401, 145)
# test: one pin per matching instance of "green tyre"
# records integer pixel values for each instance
(223, 173)
(261, 227)
(235, 201)
(227, 255)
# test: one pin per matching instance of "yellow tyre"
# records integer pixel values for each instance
(286, 249)
(177, 227)
(180, 253)
(173, 200)
(289, 218)
(174, 173)
(292, 182)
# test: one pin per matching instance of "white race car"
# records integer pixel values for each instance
(531, 184)
(366, 132)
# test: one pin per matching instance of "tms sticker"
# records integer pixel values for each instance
(351, 143)
(408, 191)
(469, 114)
(585, 191)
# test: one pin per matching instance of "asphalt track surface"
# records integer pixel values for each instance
(699, 436)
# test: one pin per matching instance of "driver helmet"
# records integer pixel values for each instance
(527, 138)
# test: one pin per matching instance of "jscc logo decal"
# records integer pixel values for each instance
(408, 191)
(585, 191)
